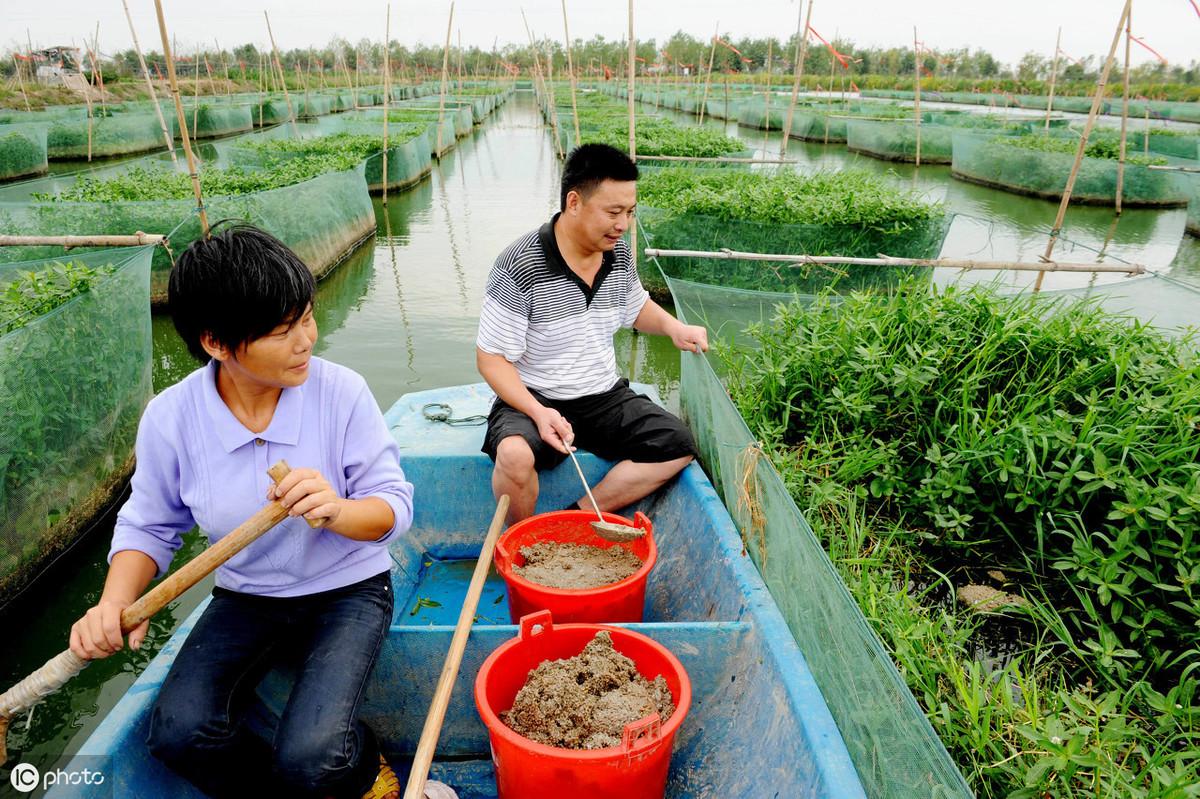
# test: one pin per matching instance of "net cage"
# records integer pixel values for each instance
(407, 163)
(73, 384)
(22, 151)
(894, 747)
(119, 134)
(372, 121)
(322, 219)
(991, 161)
(210, 120)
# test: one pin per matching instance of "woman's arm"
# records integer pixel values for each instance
(98, 633)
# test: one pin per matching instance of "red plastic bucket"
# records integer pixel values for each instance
(637, 769)
(622, 601)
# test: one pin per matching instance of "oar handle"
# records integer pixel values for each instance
(441, 695)
(62, 667)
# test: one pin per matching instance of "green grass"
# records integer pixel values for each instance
(922, 430)
(339, 144)
(33, 294)
(821, 198)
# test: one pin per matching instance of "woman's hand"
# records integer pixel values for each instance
(98, 634)
(305, 492)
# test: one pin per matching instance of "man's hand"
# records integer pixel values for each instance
(690, 337)
(554, 429)
(306, 492)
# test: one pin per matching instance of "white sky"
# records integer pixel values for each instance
(1007, 28)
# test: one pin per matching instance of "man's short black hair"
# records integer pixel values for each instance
(237, 286)
(590, 164)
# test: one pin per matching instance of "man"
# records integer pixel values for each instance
(554, 300)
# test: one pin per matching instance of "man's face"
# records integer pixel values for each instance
(605, 215)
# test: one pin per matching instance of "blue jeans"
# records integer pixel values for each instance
(320, 748)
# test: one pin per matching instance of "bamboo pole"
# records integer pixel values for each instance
(21, 80)
(1146, 130)
(87, 98)
(798, 68)
(282, 77)
(445, 77)
(829, 94)
(387, 92)
(460, 62)
(718, 159)
(1124, 112)
(193, 172)
(712, 53)
(212, 85)
(1053, 76)
(138, 239)
(150, 86)
(571, 70)
(225, 66)
(917, 90)
(633, 238)
(883, 260)
(767, 95)
(427, 743)
(196, 95)
(262, 86)
(96, 68)
(1056, 230)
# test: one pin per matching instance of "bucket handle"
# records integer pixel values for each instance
(540, 618)
(640, 735)
(500, 556)
(642, 521)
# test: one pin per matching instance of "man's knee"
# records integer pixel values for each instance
(514, 458)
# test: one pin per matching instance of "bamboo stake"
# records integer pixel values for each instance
(87, 98)
(883, 260)
(445, 77)
(212, 85)
(1053, 76)
(138, 239)
(633, 237)
(282, 78)
(571, 70)
(196, 94)
(1124, 112)
(767, 95)
(712, 52)
(798, 69)
(1146, 130)
(150, 86)
(460, 62)
(1056, 230)
(829, 93)
(21, 80)
(917, 95)
(387, 93)
(99, 72)
(193, 172)
(718, 159)
(427, 743)
(262, 87)
(225, 66)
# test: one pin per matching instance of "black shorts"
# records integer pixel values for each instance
(617, 425)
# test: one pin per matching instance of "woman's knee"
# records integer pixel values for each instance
(319, 760)
(178, 729)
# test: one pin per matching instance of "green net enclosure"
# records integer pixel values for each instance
(1192, 181)
(366, 121)
(270, 112)
(995, 162)
(308, 106)
(22, 151)
(208, 120)
(463, 116)
(323, 219)
(1167, 303)
(119, 134)
(73, 383)
(897, 141)
(894, 748)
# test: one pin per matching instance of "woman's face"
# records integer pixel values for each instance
(280, 358)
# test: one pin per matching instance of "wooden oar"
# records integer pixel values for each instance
(65, 665)
(441, 696)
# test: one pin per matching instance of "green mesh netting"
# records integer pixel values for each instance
(363, 121)
(206, 120)
(893, 747)
(119, 134)
(897, 141)
(73, 384)
(985, 160)
(322, 220)
(311, 105)
(1165, 143)
(22, 151)
(1191, 180)
(271, 112)
(1169, 304)
(681, 231)
(463, 116)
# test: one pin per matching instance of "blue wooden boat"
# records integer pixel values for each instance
(758, 725)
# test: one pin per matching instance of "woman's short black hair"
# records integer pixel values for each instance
(590, 164)
(237, 286)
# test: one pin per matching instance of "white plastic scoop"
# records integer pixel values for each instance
(609, 531)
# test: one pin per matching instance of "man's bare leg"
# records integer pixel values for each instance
(515, 475)
(629, 481)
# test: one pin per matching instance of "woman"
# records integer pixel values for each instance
(320, 598)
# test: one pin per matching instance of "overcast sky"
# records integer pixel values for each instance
(1007, 28)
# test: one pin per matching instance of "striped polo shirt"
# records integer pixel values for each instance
(545, 320)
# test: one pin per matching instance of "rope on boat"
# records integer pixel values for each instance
(442, 412)
(36, 687)
(748, 499)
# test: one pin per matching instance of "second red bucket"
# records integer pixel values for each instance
(622, 601)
